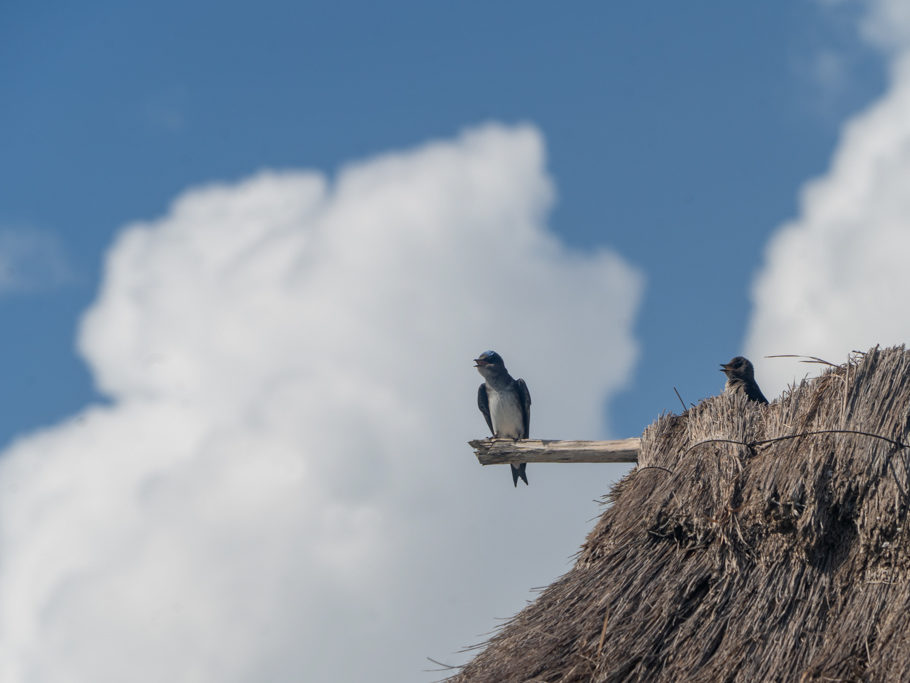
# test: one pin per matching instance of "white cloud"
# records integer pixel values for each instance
(887, 24)
(836, 277)
(30, 260)
(281, 488)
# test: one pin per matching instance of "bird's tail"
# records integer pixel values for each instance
(518, 471)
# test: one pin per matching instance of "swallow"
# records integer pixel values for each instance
(505, 403)
(741, 377)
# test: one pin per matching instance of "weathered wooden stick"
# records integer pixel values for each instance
(501, 451)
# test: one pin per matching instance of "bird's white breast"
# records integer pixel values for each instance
(505, 411)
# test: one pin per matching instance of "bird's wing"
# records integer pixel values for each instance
(525, 401)
(484, 404)
(755, 393)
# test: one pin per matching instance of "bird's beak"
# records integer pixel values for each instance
(478, 362)
(724, 366)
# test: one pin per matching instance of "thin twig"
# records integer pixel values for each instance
(812, 359)
(654, 467)
(445, 667)
(843, 412)
(680, 399)
(858, 432)
(603, 632)
(762, 442)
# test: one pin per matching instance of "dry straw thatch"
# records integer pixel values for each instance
(745, 559)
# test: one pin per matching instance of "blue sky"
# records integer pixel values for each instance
(248, 251)
(677, 135)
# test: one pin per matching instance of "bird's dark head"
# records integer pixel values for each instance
(489, 363)
(738, 368)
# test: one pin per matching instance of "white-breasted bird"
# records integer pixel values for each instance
(505, 403)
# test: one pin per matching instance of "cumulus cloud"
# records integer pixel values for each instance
(836, 277)
(887, 24)
(280, 487)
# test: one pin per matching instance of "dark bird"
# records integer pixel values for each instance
(505, 403)
(741, 377)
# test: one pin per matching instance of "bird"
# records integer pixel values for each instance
(741, 377)
(505, 403)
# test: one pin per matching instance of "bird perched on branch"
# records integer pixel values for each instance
(741, 377)
(505, 403)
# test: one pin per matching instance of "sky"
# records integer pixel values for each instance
(247, 254)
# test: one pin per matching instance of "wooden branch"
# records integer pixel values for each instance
(502, 451)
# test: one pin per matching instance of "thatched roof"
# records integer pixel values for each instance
(780, 561)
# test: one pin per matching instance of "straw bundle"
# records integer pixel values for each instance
(752, 543)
